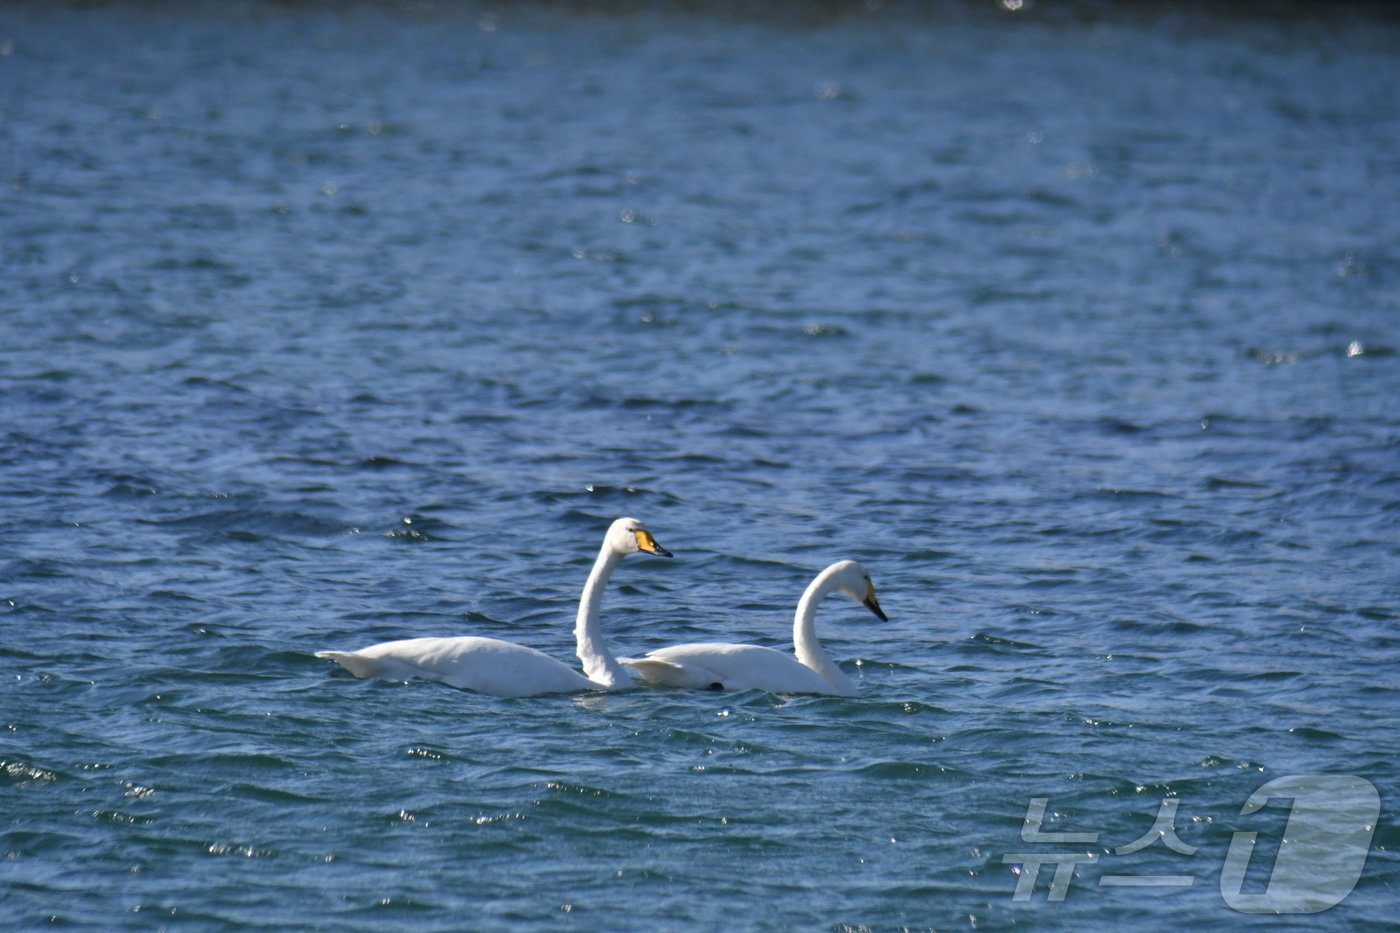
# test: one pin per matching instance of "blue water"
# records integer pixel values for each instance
(324, 325)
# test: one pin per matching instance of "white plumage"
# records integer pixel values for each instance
(503, 668)
(718, 666)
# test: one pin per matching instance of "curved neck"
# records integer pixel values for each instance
(804, 635)
(599, 665)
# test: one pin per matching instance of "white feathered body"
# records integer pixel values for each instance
(719, 666)
(502, 668)
(486, 665)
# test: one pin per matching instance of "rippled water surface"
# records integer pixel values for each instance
(325, 325)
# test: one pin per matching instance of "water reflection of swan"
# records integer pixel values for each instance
(718, 666)
(505, 669)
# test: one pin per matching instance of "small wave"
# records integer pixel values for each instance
(1312, 734)
(22, 772)
(415, 528)
(1159, 626)
(279, 795)
(26, 568)
(1120, 493)
(892, 769)
(604, 492)
(380, 462)
(131, 488)
(1213, 483)
(121, 818)
(32, 842)
(568, 800)
(999, 642)
(240, 766)
(252, 524)
(573, 789)
(241, 850)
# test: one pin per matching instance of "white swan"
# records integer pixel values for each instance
(751, 667)
(503, 668)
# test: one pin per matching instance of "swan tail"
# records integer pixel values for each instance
(356, 664)
(672, 674)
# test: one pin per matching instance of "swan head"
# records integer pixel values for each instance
(851, 578)
(629, 536)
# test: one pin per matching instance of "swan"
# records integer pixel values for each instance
(751, 667)
(503, 668)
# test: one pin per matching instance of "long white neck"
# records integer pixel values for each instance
(599, 665)
(804, 634)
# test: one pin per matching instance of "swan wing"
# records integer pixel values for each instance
(732, 667)
(666, 673)
(486, 665)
